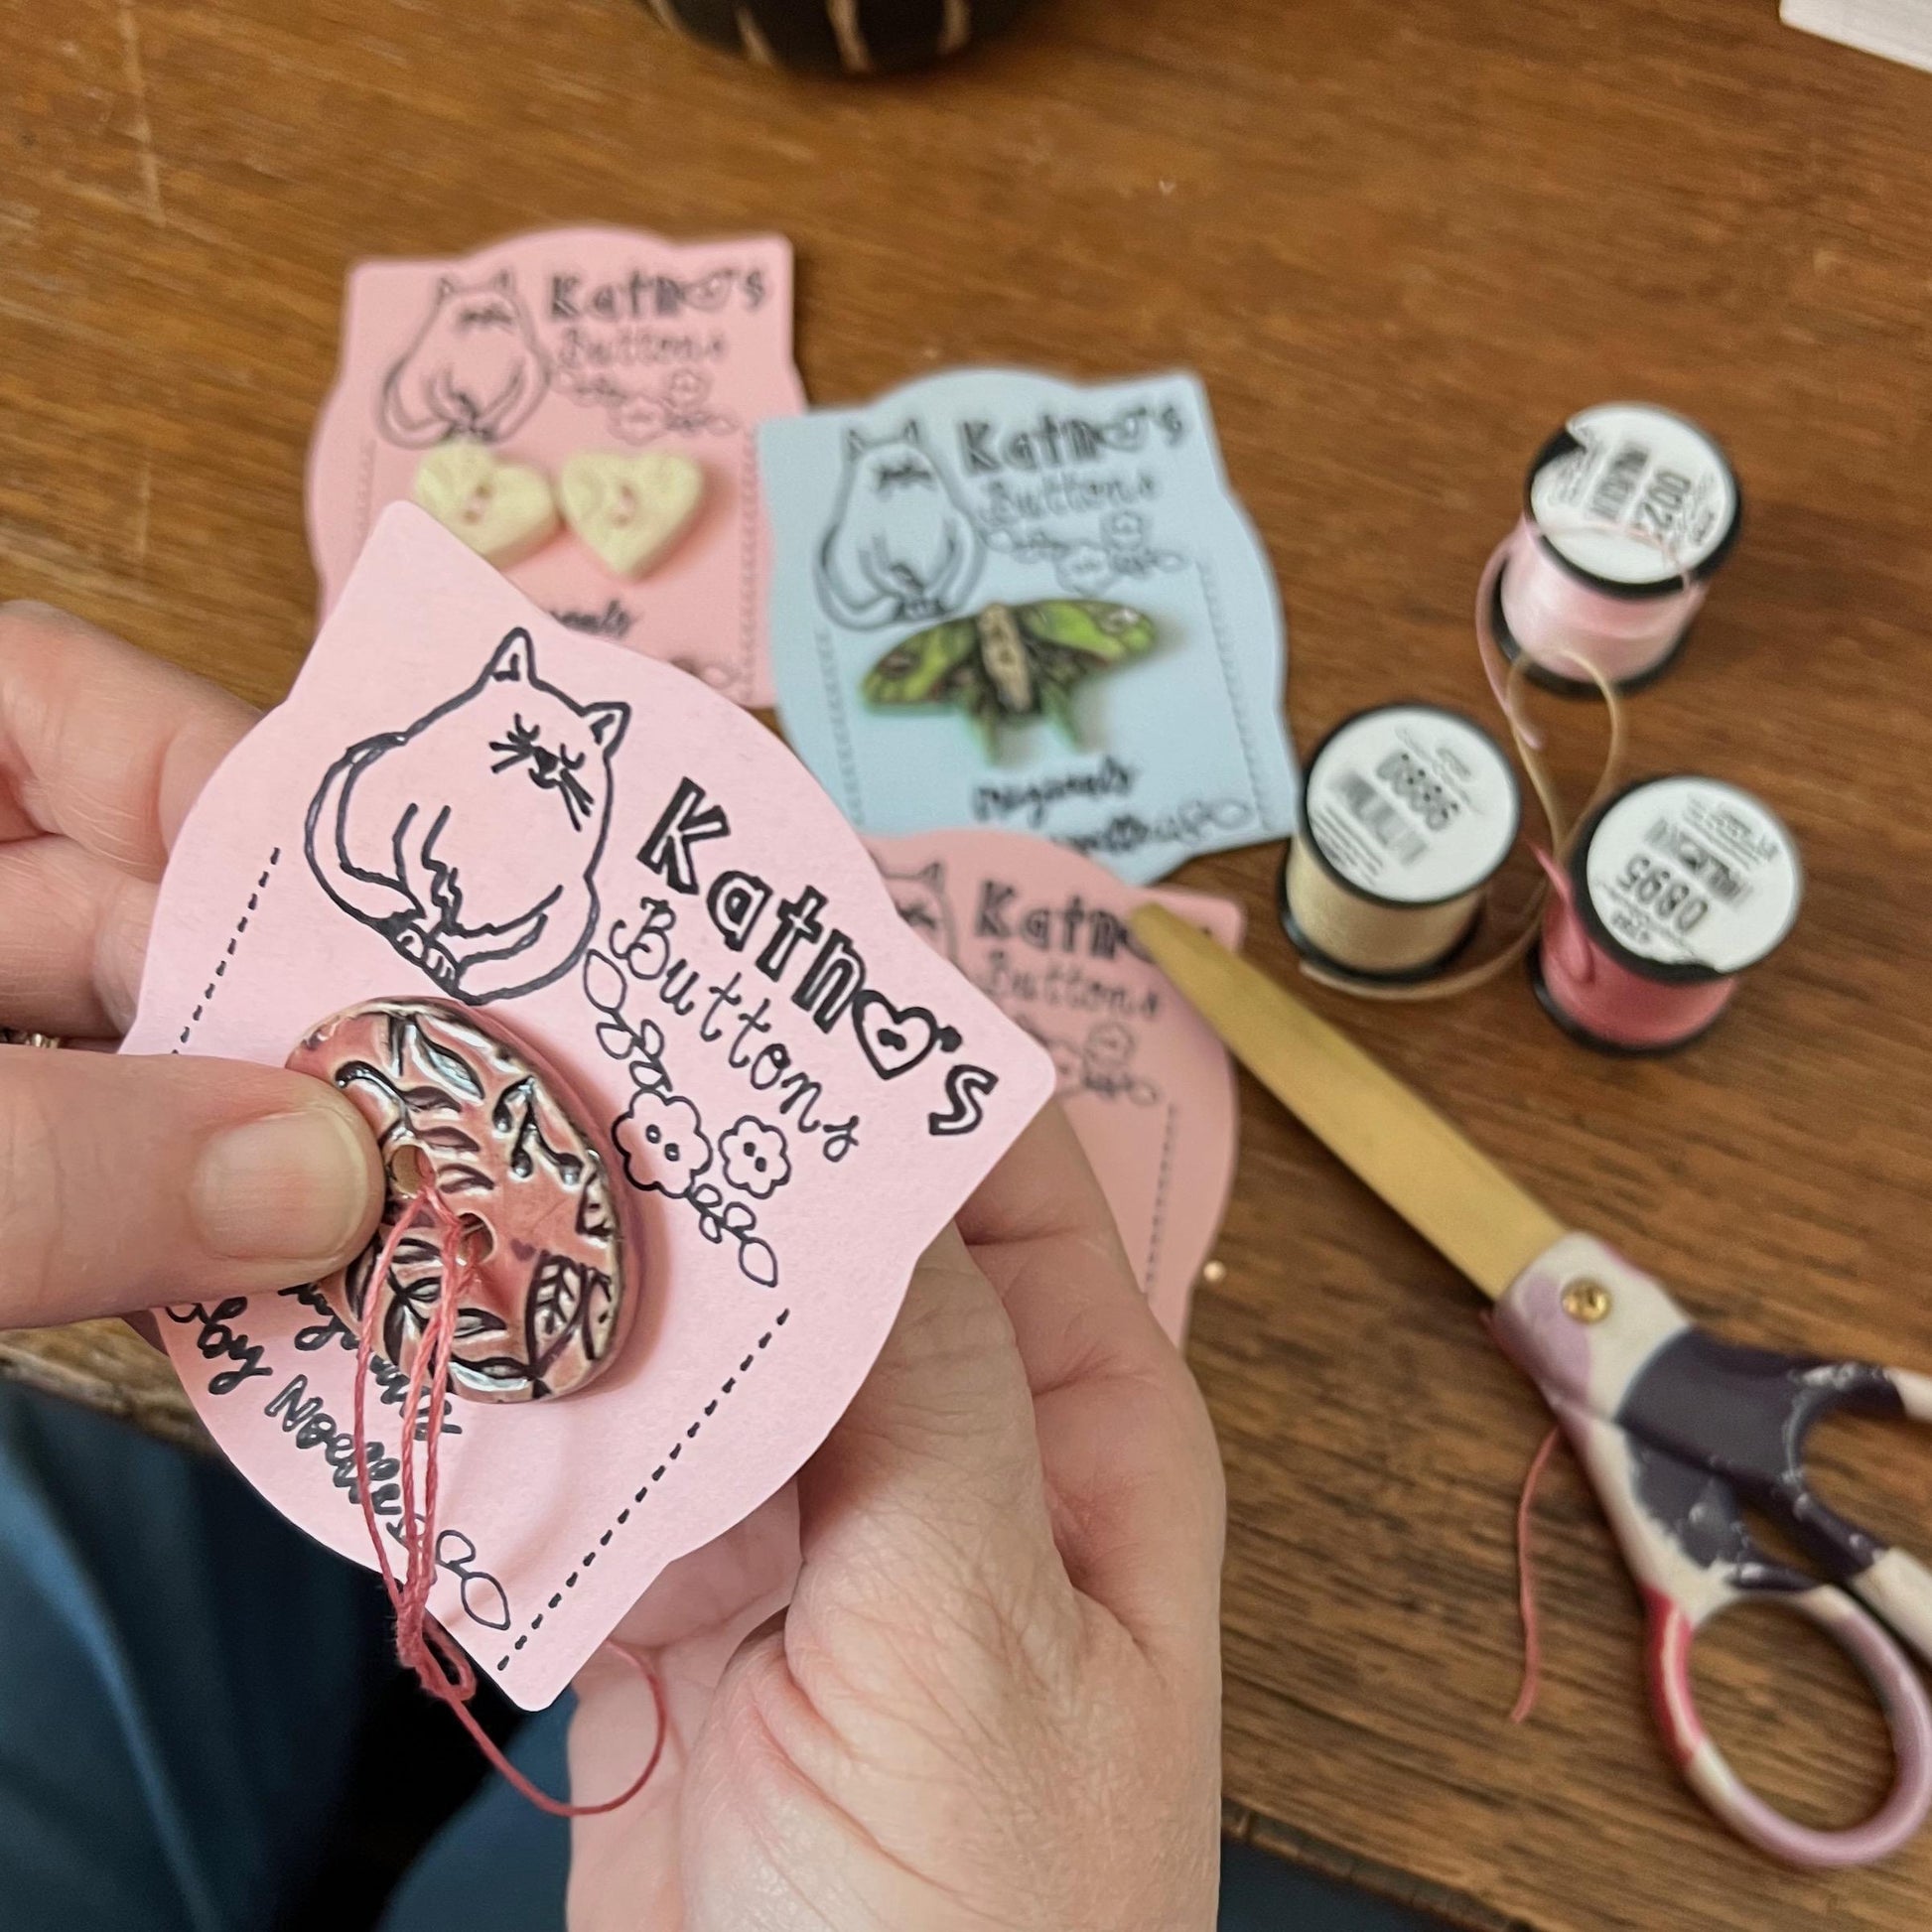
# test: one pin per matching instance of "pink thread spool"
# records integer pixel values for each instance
(1675, 889)
(1628, 512)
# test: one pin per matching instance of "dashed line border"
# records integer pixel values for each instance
(656, 1476)
(223, 964)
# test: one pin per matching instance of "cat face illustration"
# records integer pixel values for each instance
(475, 311)
(469, 840)
(893, 465)
(475, 368)
(920, 898)
(561, 766)
(901, 544)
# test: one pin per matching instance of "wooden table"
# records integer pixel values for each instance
(1400, 243)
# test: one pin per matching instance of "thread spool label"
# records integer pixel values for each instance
(1631, 494)
(1410, 805)
(1692, 872)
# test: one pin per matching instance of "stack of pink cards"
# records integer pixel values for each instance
(463, 800)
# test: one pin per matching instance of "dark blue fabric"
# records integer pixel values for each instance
(501, 1865)
(183, 1681)
(161, 1766)
(1260, 1893)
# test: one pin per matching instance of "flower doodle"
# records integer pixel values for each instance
(662, 1141)
(756, 1160)
(662, 1135)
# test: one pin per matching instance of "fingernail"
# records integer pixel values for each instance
(291, 1187)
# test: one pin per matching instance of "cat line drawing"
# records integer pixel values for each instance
(902, 545)
(469, 839)
(475, 368)
(920, 898)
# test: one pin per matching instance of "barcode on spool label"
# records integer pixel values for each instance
(1616, 487)
(1381, 817)
(1691, 856)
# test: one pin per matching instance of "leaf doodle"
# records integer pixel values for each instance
(461, 1178)
(484, 1598)
(562, 1304)
(516, 1111)
(494, 1373)
(429, 1100)
(407, 1038)
(604, 984)
(359, 1073)
(555, 1301)
(594, 1216)
(606, 987)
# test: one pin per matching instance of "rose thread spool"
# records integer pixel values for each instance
(1673, 891)
(1628, 512)
(1408, 812)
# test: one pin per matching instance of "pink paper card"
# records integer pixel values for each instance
(544, 345)
(636, 882)
(1148, 1088)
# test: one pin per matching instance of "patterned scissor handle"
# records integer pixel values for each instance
(1678, 1429)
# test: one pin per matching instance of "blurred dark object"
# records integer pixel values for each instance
(106, 1367)
(853, 37)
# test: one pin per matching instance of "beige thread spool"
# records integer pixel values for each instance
(1407, 811)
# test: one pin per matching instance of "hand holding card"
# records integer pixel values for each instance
(631, 881)
(1003, 1630)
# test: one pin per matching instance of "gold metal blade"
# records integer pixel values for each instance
(1453, 1196)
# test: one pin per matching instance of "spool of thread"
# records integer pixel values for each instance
(1628, 512)
(1673, 890)
(1406, 814)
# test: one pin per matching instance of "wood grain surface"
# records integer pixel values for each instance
(1399, 241)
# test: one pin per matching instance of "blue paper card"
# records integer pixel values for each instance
(1000, 599)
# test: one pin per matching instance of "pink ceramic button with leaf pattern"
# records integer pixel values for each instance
(455, 1105)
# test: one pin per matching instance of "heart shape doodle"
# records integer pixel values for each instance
(630, 510)
(896, 1038)
(502, 510)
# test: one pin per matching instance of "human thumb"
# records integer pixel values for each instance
(129, 1181)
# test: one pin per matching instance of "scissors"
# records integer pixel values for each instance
(1677, 1430)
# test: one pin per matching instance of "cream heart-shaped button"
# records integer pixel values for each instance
(502, 510)
(630, 510)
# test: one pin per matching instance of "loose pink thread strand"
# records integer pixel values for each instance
(422, 1643)
(1507, 680)
(1526, 1581)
